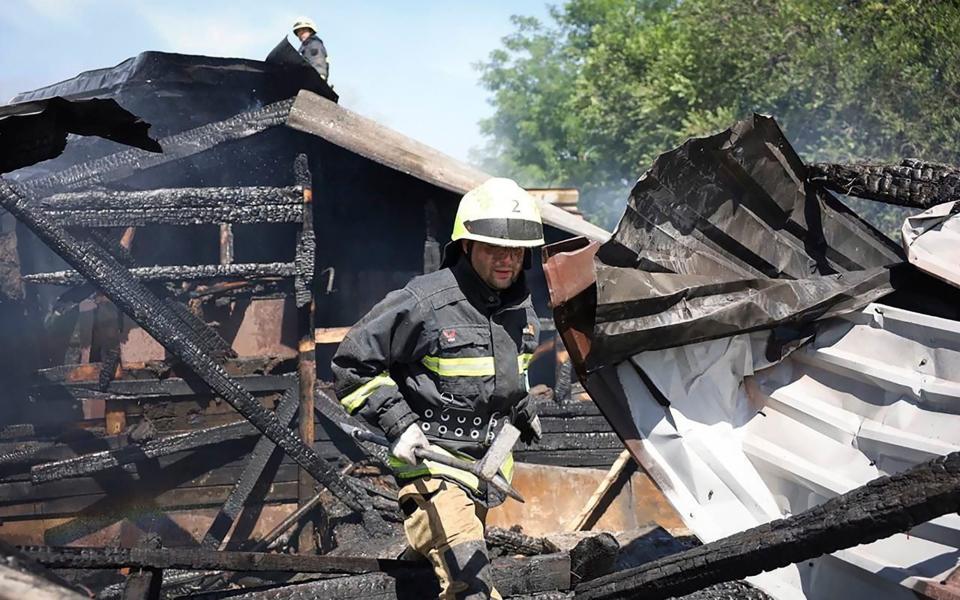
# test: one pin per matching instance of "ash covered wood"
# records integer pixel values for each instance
(914, 183)
(512, 577)
(506, 542)
(202, 558)
(179, 273)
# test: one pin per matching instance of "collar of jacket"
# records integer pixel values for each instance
(479, 293)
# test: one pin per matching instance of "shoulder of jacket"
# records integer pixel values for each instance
(434, 286)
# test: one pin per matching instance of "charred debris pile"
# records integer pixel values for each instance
(166, 315)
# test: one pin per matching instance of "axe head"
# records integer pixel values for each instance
(501, 447)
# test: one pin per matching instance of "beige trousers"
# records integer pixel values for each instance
(444, 524)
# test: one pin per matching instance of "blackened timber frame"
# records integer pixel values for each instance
(159, 321)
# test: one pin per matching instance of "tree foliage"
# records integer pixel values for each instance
(591, 98)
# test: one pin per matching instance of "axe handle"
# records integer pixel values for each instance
(421, 453)
(496, 481)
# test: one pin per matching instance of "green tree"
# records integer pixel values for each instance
(593, 97)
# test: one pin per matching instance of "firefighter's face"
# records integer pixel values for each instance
(497, 266)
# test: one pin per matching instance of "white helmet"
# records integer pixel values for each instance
(304, 23)
(501, 213)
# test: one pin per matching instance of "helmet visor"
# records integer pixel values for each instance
(520, 230)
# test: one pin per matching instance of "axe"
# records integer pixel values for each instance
(486, 469)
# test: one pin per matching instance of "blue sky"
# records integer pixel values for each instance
(406, 64)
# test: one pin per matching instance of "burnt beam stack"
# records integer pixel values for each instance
(160, 322)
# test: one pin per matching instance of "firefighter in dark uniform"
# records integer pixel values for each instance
(442, 363)
(311, 46)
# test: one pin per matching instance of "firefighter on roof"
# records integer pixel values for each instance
(442, 362)
(311, 46)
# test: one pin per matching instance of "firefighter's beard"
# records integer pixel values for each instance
(498, 267)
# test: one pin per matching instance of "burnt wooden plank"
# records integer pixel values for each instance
(109, 459)
(203, 559)
(110, 509)
(177, 273)
(174, 198)
(511, 576)
(160, 388)
(258, 460)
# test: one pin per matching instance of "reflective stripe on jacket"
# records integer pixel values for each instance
(445, 342)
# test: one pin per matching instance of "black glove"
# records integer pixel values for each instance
(524, 417)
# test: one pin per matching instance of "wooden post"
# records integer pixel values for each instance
(226, 243)
(108, 327)
(306, 364)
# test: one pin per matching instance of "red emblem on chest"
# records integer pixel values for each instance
(449, 335)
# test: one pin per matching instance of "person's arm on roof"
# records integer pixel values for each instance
(386, 336)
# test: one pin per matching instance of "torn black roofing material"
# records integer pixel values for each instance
(34, 131)
(723, 235)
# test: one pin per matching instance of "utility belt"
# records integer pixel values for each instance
(461, 425)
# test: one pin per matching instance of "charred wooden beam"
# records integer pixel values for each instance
(110, 459)
(178, 273)
(506, 542)
(261, 455)
(593, 557)
(154, 388)
(173, 198)
(175, 147)
(64, 557)
(306, 347)
(139, 216)
(162, 324)
(511, 576)
(880, 508)
(912, 183)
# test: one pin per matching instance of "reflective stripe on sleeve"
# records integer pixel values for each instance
(355, 399)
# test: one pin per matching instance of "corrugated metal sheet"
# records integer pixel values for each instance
(731, 332)
(743, 441)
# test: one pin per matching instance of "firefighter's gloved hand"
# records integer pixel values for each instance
(524, 416)
(411, 439)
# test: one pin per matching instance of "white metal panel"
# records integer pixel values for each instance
(744, 442)
(932, 241)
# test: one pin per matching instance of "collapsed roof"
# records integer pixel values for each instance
(763, 351)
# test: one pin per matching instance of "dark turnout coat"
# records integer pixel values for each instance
(445, 352)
